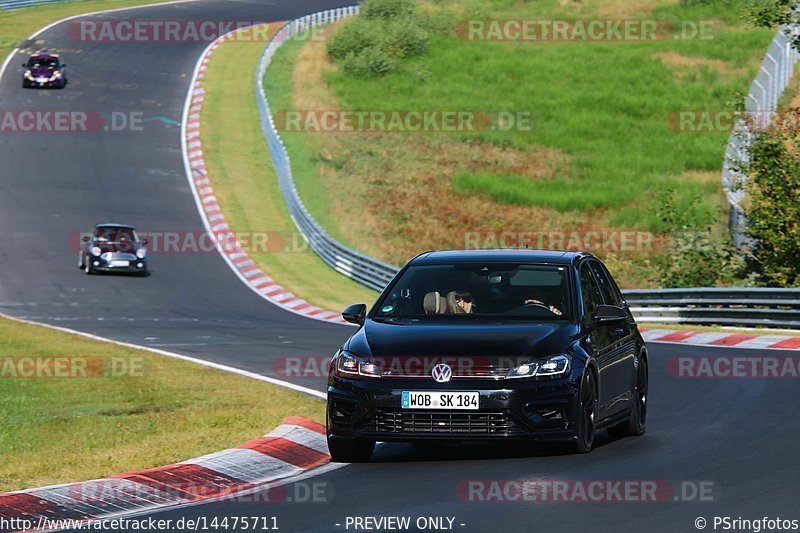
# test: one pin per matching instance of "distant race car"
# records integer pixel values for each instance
(44, 70)
(113, 248)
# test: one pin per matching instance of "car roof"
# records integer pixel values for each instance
(45, 56)
(513, 255)
(112, 225)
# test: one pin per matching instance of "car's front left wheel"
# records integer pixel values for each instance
(587, 412)
(346, 450)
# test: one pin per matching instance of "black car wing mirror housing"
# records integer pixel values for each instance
(355, 314)
(605, 314)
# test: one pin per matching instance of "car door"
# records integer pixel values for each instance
(620, 370)
(598, 342)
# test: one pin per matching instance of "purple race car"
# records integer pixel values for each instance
(44, 70)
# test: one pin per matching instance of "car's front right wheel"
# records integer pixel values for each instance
(634, 426)
(346, 450)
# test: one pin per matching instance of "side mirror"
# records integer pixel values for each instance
(145, 242)
(355, 314)
(63, 65)
(85, 238)
(609, 313)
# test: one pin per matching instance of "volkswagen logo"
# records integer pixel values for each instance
(442, 373)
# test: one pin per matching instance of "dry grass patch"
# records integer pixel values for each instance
(684, 65)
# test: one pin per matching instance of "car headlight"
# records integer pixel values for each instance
(552, 367)
(141, 253)
(55, 75)
(96, 250)
(350, 366)
(28, 74)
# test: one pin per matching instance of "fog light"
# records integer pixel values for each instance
(139, 265)
(96, 263)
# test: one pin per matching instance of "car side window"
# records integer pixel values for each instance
(607, 287)
(590, 293)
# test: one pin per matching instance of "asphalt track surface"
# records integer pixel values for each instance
(738, 436)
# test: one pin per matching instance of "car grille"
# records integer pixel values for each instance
(435, 422)
(466, 371)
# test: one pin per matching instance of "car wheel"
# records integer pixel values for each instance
(587, 413)
(634, 426)
(80, 261)
(344, 450)
(88, 267)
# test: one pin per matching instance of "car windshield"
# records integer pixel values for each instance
(42, 62)
(479, 290)
(115, 235)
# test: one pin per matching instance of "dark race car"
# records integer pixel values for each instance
(489, 345)
(113, 248)
(44, 70)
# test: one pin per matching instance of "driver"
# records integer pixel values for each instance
(459, 302)
(534, 300)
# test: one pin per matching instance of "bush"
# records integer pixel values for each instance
(773, 206)
(353, 39)
(694, 256)
(387, 9)
(382, 36)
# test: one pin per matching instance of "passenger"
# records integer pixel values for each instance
(459, 303)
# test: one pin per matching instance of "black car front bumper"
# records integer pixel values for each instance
(508, 409)
(110, 263)
(57, 83)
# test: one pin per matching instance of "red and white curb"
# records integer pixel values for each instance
(213, 218)
(293, 448)
(722, 340)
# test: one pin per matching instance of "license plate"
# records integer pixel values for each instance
(440, 400)
(42, 80)
(120, 263)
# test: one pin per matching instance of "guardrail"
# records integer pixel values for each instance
(731, 307)
(8, 5)
(363, 269)
(761, 102)
(723, 306)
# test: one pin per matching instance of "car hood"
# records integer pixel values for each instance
(462, 339)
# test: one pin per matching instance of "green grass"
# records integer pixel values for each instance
(246, 186)
(57, 430)
(606, 105)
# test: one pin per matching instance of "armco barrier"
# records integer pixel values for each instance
(761, 101)
(733, 307)
(723, 306)
(365, 270)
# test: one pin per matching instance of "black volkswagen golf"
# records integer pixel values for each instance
(489, 345)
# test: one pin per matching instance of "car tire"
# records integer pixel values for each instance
(635, 425)
(88, 268)
(80, 261)
(345, 450)
(587, 413)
